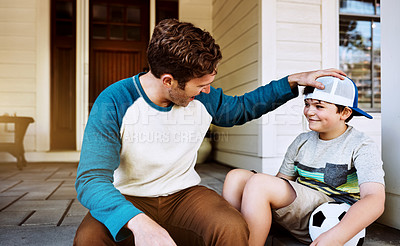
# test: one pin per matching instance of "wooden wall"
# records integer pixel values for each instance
(236, 29)
(18, 64)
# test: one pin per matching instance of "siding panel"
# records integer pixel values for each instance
(17, 15)
(17, 4)
(18, 62)
(299, 32)
(17, 71)
(17, 99)
(236, 30)
(238, 77)
(17, 57)
(239, 144)
(17, 85)
(17, 43)
(298, 13)
(17, 29)
(295, 51)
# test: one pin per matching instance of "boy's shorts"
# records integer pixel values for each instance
(295, 216)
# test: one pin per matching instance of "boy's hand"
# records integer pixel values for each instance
(327, 239)
(309, 78)
(147, 232)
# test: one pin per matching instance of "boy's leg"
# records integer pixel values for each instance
(234, 184)
(261, 193)
(200, 216)
(295, 216)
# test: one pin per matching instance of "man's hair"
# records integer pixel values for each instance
(182, 50)
(309, 89)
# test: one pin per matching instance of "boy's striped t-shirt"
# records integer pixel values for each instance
(335, 167)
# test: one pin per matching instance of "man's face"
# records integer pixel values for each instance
(194, 87)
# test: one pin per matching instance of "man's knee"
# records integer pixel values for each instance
(230, 228)
(92, 232)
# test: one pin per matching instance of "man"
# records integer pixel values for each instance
(136, 172)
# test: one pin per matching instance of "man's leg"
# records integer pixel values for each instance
(91, 232)
(200, 216)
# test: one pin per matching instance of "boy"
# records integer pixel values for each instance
(333, 162)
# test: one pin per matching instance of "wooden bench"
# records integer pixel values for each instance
(16, 148)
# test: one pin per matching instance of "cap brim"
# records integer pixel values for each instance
(359, 112)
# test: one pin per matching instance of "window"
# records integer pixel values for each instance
(360, 49)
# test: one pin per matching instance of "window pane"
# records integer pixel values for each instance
(365, 7)
(99, 12)
(133, 15)
(133, 33)
(376, 30)
(99, 31)
(378, 7)
(117, 14)
(64, 10)
(116, 32)
(64, 28)
(355, 57)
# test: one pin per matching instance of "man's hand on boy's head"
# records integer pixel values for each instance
(309, 78)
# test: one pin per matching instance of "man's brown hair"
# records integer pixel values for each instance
(182, 50)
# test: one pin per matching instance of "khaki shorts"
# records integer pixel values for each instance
(295, 216)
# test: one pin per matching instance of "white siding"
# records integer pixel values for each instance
(390, 111)
(294, 31)
(18, 64)
(236, 29)
(197, 12)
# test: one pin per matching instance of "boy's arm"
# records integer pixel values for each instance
(281, 175)
(360, 215)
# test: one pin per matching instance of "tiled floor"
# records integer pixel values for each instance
(38, 205)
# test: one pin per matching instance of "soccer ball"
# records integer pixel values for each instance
(327, 216)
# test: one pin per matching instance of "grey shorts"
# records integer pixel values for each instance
(295, 216)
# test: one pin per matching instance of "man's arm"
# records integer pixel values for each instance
(360, 215)
(309, 78)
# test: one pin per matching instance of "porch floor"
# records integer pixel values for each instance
(38, 206)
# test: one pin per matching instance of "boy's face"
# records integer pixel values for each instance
(323, 118)
(193, 87)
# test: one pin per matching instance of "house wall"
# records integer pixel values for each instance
(291, 43)
(236, 25)
(197, 12)
(20, 43)
(390, 110)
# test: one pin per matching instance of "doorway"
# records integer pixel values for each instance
(63, 82)
(118, 38)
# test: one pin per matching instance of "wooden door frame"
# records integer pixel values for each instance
(57, 44)
(82, 64)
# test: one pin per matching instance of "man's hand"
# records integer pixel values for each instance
(147, 232)
(309, 78)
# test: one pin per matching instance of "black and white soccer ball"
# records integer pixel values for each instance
(326, 216)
